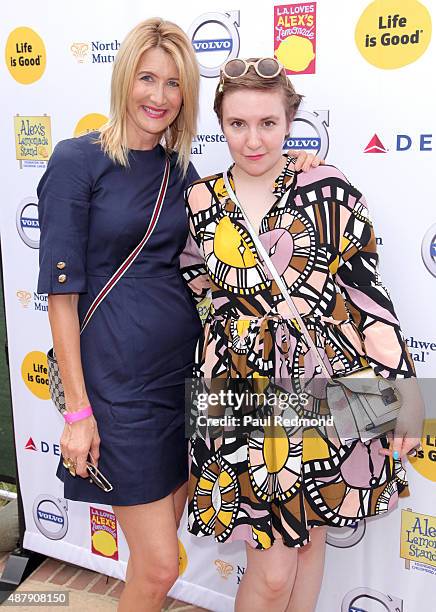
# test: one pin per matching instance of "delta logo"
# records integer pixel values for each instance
(403, 142)
(95, 51)
(104, 533)
(44, 447)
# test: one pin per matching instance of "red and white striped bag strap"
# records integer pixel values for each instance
(134, 254)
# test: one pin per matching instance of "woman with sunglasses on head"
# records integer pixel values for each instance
(124, 325)
(278, 489)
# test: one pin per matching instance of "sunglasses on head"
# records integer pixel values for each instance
(266, 67)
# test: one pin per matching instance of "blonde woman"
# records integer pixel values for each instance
(124, 375)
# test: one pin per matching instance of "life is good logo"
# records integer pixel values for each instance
(91, 122)
(425, 460)
(25, 55)
(392, 34)
(295, 37)
(34, 371)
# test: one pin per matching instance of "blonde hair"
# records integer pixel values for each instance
(178, 137)
(251, 80)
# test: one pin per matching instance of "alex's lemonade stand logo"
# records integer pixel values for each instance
(418, 538)
(32, 139)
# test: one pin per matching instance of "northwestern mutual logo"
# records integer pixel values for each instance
(95, 51)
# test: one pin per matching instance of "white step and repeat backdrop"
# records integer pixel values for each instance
(367, 73)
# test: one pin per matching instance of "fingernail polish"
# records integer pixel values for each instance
(396, 454)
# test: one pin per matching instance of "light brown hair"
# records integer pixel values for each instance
(147, 35)
(251, 80)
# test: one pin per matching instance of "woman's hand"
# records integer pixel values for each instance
(78, 440)
(408, 430)
(306, 161)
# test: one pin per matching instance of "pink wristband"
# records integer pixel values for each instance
(83, 413)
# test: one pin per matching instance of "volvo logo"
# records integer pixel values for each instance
(50, 516)
(428, 250)
(215, 38)
(309, 132)
(27, 222)
(363, 598)
(346, 537)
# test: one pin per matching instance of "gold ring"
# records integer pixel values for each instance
(70, 465)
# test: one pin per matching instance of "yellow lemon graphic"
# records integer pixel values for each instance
(392, 34)
(43, 151)
(25, 55)
(295, 53)
(90, 123)
(34, 373)
(104, 543)
(425, 461)
(183, 558)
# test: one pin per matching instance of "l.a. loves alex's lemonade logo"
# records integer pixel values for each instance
(25, 55)
(425, 460)
(418, 538)
(104, 533)
(392, 34)
(90, 123)
(35, 374)
(295, 37)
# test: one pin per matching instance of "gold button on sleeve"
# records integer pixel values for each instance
(60, 265)
(62, 278)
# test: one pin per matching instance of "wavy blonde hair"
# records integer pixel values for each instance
(178, 136)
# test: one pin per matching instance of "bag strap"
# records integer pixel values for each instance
(278, 279)
(134, 254)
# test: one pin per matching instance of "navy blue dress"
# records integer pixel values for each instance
(138, 348)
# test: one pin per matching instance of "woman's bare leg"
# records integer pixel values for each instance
(268, 579)
(151, 534)
(310, 569)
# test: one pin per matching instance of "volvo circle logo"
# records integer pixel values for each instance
(50, 516)
(27, 222)
(364, 598)
(428, 250)
(346, 537)
(309, 132)
(215, 39)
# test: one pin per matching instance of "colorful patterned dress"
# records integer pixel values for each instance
(321, 240)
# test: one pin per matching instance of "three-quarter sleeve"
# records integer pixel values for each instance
(192, 262)
(64, 194)
(369, 301)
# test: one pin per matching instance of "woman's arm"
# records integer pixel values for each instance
(80, 438)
